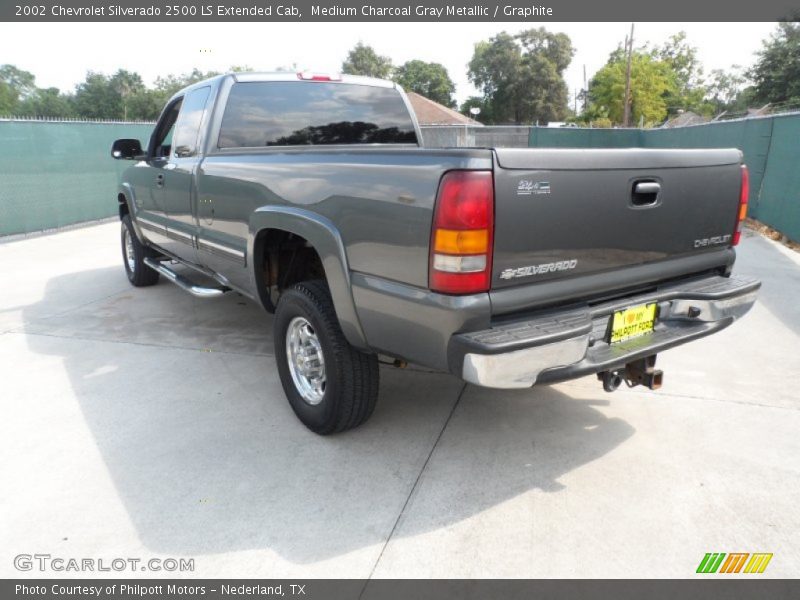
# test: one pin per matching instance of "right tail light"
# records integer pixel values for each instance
(463, 231)
(744, 195)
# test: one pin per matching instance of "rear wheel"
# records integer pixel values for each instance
(330, 385)
(133, 255)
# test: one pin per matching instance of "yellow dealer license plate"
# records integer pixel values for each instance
(633, 322)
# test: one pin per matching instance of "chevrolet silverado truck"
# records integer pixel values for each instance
(314, 196)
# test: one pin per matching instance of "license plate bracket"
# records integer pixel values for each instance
(632, 322)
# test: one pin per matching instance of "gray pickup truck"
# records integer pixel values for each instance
(314, 196)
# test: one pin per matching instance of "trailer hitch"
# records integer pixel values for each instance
(638, 372)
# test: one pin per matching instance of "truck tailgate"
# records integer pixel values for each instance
(566, 213)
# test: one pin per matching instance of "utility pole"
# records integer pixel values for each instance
(627, 107)
(585, 89)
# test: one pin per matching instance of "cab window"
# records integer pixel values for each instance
(187, 129)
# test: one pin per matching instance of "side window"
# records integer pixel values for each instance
(187, 129)
(161, 141)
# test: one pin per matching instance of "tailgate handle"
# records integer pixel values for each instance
(645, 193)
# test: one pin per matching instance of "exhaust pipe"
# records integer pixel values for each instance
(611, 380)
(638, 372)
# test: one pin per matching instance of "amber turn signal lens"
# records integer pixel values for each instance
(449, 241)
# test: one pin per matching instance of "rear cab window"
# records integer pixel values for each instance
(289, 113)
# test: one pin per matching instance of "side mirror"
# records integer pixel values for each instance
(126, 149)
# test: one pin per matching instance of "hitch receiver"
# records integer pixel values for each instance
(644, 372)
(638, 372)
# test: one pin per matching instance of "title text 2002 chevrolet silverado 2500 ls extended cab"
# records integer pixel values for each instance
(314, 196)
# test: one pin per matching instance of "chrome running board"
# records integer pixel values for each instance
(182, 282)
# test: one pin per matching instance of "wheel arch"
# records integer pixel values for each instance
(322, 235)
(126, 201)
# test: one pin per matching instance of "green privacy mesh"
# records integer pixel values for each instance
(58, 173)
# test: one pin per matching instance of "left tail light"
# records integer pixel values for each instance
(744, 195)
(462, 234)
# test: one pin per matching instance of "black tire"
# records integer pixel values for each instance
(351, 376)
(139, 274)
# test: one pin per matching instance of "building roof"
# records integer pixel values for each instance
(432, 113)
(686, 119)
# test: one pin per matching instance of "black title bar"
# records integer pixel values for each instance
(277, 11)
(393, 589)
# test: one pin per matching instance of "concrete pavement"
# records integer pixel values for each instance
(146, 423)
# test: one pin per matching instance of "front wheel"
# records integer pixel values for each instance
(133, 255)
(330, 385)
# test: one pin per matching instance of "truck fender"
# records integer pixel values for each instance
(321, 233)
(126, 190)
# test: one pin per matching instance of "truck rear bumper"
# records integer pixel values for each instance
(569, 343)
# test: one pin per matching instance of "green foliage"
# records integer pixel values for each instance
(23, 82)
(485, 116)
(47, 102)
(602, 123)
(521, 76)
(727, 91)
(652, 83)
(665, 80)
(429, 79)
(689, 90)
(776, 74)
(169, 85)
(15, 85)
(8, 98)
(363, 60)
(96, 98)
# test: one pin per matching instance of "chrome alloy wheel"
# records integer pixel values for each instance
(130, 257)
(306, 362)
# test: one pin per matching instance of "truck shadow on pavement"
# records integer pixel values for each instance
(186, 409)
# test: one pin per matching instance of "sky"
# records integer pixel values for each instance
(59, 54)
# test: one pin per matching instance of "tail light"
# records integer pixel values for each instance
(463, 228)
(306, 76)
(744, 194)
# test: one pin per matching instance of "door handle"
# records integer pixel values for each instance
(160, 180)
(645, 193)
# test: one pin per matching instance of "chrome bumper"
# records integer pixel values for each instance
(568, 344)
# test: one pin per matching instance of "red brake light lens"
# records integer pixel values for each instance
(305, 76)
(744, 195)
(463, 231)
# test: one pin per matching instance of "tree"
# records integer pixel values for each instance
(15, 85)
(776, 74)
(47, 102)
(8, 99)
(521, 76)
(165, 87)
(98, 98)
(727, 90)
(689, 89)
(652, 82)
(484, 116)
(130, 88)
(363, 60)
(429, 79)
(22, 81)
